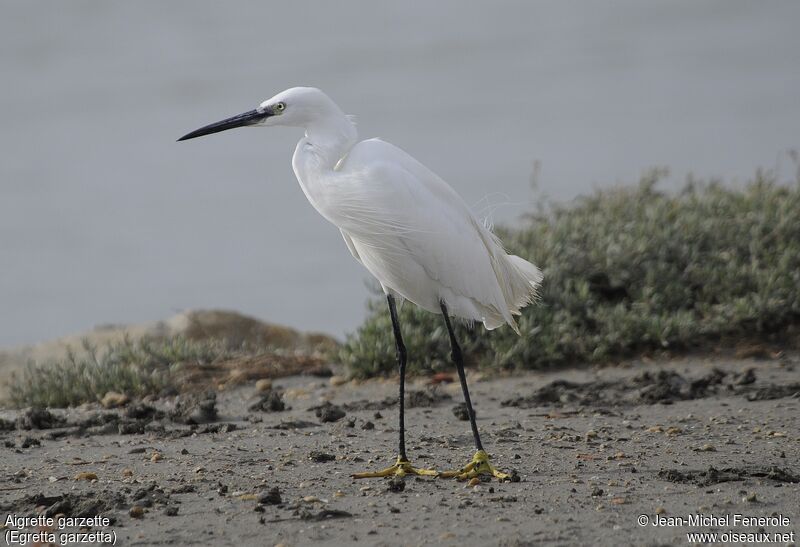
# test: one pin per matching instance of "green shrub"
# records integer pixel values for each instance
(627, 271)
(133, 368)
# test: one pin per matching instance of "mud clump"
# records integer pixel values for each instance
(294, 424)
(321, 457)
(745, 378)
(460, 411)
(426, 398)
(142, 411)
(649, 388)
(195, 409)
(774, 392)
(396, 484)
(270, 497)
(713, 475)
(150, 496)
(329, 412)
(39, 418)
(269, 401)
(77, 505)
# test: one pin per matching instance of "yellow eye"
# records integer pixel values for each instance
(280, 107)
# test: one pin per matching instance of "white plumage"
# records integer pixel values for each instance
(405, 224)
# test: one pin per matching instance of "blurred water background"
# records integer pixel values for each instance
(104, 218)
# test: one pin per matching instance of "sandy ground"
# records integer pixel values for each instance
(594, 451)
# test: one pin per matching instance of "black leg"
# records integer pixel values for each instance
(401, 363)
(459, 361)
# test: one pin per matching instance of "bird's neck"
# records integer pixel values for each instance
(317, 154)
(327, 141)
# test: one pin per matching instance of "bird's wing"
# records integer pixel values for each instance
(397, 210)
(350, 245)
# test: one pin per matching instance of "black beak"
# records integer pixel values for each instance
(242, 120)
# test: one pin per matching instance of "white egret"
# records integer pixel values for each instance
(408, 228)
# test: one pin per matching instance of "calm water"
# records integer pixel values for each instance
(104, 218)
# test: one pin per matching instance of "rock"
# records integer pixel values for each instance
(270, 497)
(368, 426)
(337, 380)
(171, 511)
(114, 399)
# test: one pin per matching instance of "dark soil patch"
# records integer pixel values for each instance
(321, 457)
(294, 424)
(39, 418)
(714, 476)
(648, 388)
(71, 505)
(414, 399)
(774, 392)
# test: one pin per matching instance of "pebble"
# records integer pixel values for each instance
(337, 380)
(136, 512)
(86, 476)
(264, 384)
(113, 399)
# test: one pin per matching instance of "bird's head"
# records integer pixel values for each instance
(295, 107)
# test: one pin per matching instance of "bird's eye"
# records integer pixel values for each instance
(280, 107)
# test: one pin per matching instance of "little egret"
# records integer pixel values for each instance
(408, 228)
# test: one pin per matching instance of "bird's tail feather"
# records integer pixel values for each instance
(519, 281)
(517, 278)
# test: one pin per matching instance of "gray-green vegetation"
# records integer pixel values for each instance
(138, 368)
(628, 271)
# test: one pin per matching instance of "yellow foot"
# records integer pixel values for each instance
(400, 469)
(479, 466)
